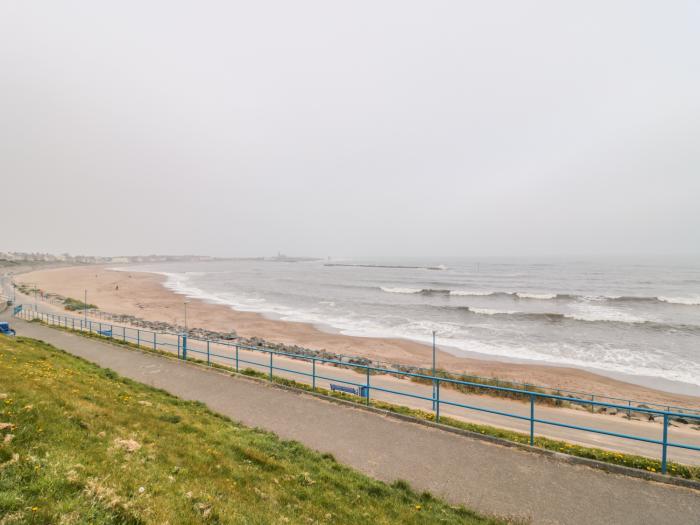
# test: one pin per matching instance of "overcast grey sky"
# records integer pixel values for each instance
(350, 128)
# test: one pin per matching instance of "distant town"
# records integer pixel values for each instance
(37, 257)
(23, 257)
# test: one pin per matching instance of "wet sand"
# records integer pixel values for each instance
(143, 295)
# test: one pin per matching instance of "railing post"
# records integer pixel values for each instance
(124, 333)
(437, 401)
(184, 347)
(313, 374)
(155, 344)
(208, 360)
(138, 337)
(629, 410)
(665, 445)
(178, 346)
(367, 398)
(236, 358)
(532, 420)
(270, 366)
(592, 399)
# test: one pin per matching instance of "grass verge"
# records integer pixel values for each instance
(79, 444)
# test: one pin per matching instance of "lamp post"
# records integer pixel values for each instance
(186, 303)
(434, 383)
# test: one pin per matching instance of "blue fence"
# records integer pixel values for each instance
(230, 352)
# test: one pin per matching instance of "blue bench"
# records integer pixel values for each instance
(342, 388)
(362, 392)
(106, 333)
(6, 330)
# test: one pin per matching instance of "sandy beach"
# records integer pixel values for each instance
(143, 295)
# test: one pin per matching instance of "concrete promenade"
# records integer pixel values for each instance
(487, 477)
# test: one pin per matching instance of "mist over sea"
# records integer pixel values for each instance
(635, 320)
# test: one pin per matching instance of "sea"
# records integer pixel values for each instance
(634, 320)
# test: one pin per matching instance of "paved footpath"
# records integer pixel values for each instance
(489, 478)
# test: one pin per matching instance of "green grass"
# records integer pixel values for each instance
(73, 305)
(606, 456)
(68, 460)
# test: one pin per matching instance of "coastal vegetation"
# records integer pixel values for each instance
(477, 389)
(607, 456)
(110, 450)
(73, 305)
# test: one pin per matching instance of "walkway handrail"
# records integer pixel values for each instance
(83, 324)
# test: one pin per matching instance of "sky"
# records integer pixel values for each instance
(365, 128)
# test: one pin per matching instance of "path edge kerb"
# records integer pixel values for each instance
(556, 456)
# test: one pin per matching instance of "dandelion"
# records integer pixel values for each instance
(418, 507)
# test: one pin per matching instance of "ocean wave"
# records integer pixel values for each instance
(401, 290)
(543, 296)
(491, 311)
(422, 291)
(440, 267)
(689, 301)
(685, 301)
(604, 318)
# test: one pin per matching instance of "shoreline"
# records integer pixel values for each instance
(144, 295)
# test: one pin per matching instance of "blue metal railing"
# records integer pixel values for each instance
(231, 352)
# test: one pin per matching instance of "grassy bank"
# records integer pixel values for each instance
(78, 444)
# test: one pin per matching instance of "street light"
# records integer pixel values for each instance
(186, 303)
(434, 383)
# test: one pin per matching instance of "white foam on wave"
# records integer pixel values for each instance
(470, 293)
(690, 301)
(491, 311)
(541, 296)
(605, 359)
(401, 290)
(597, 312)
